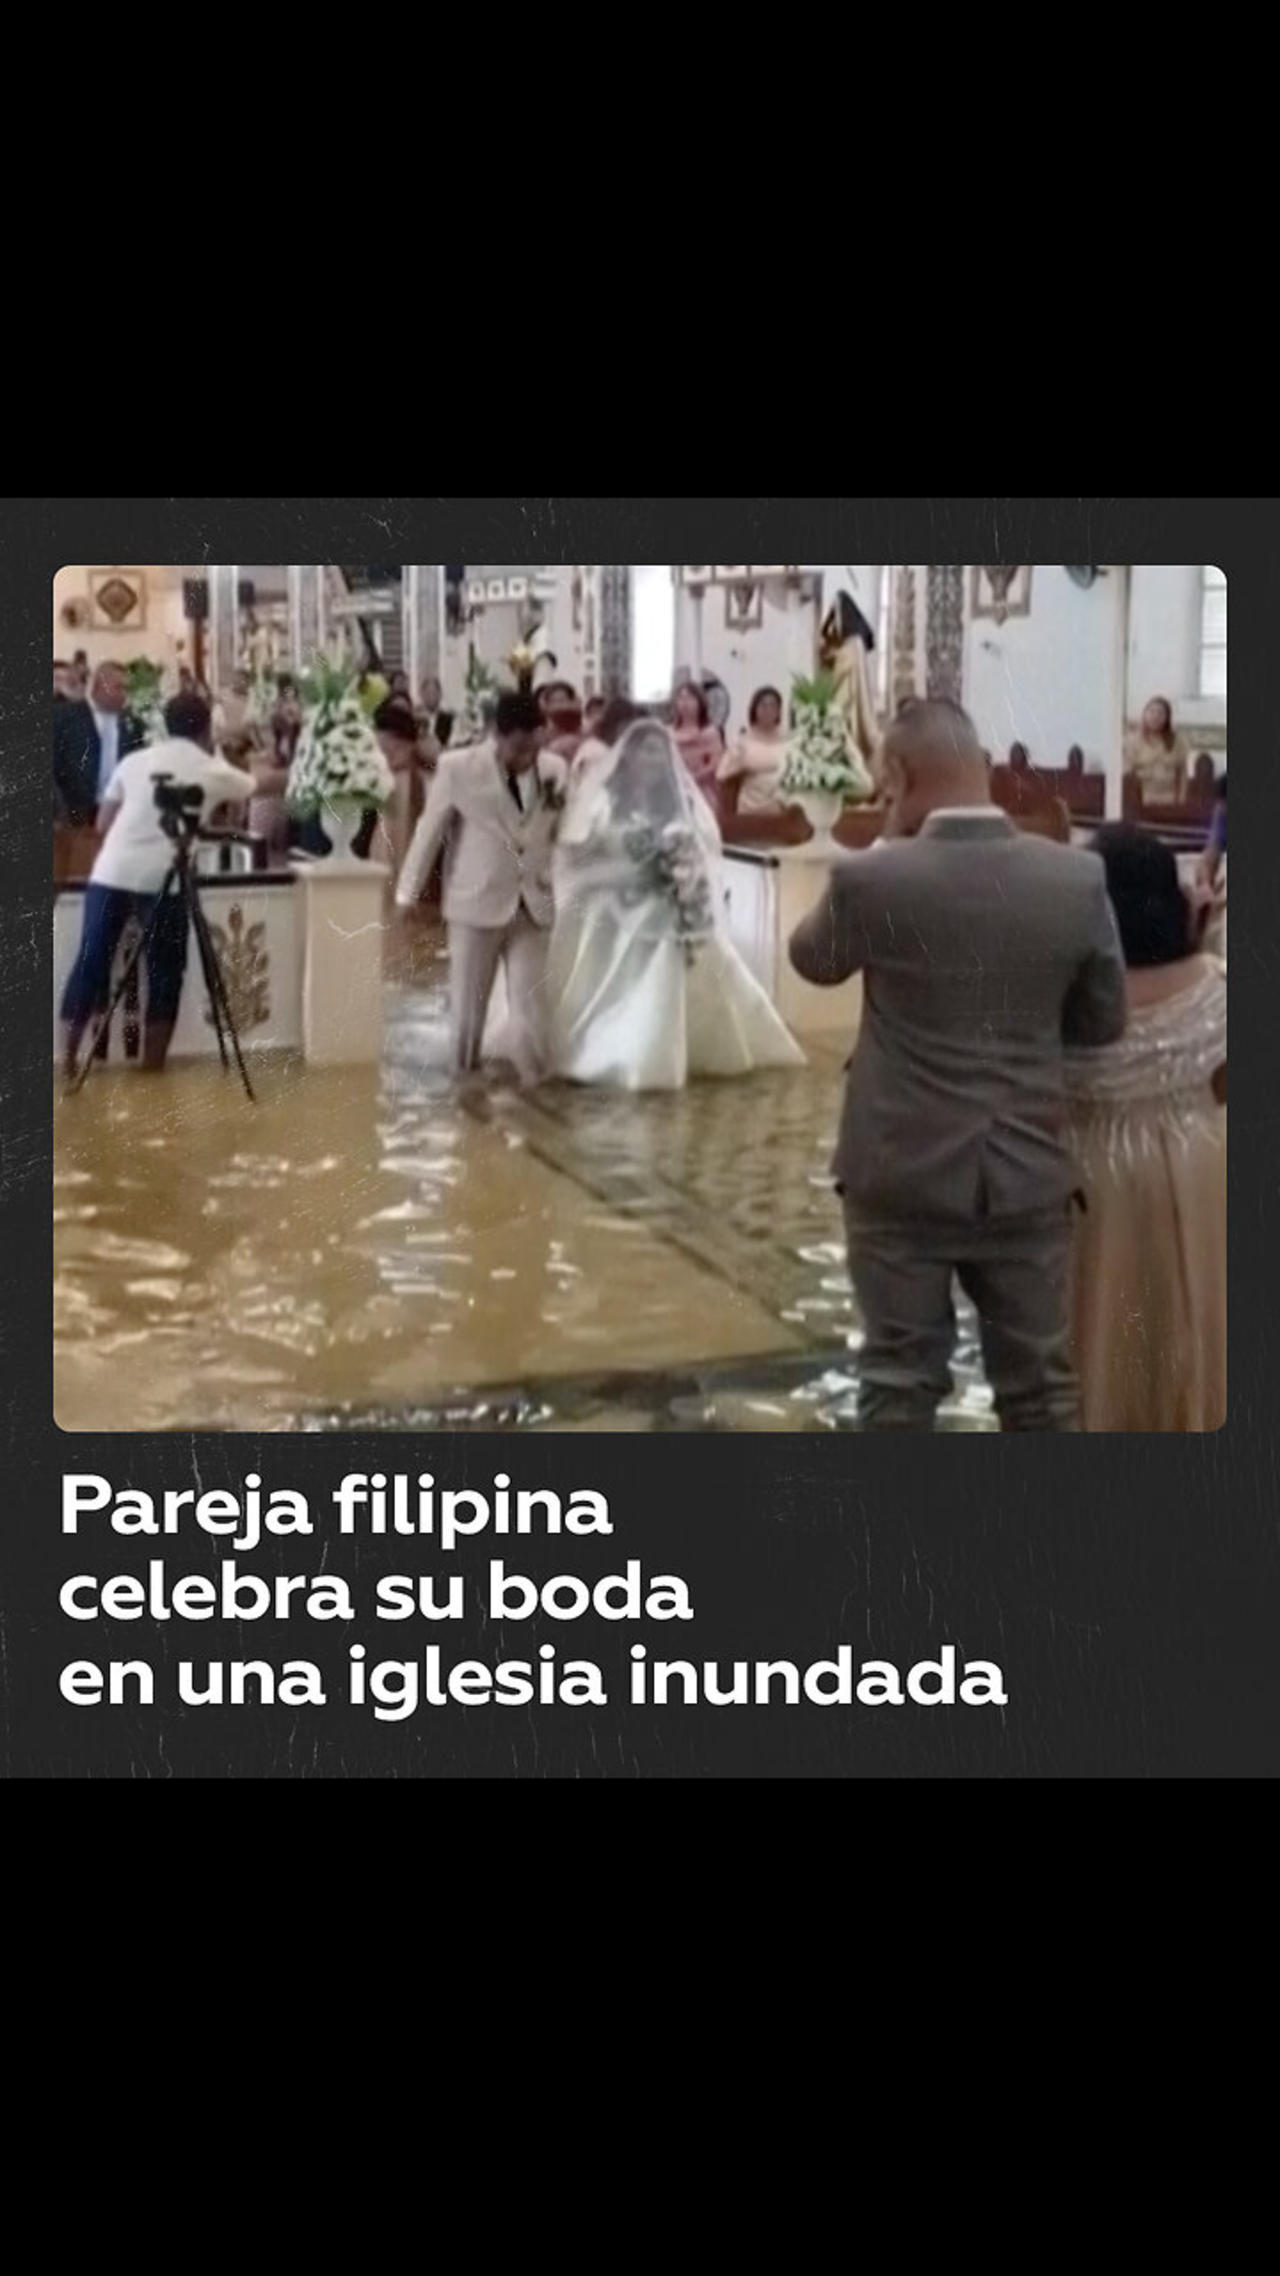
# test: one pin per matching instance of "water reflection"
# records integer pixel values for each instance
(365, 1250)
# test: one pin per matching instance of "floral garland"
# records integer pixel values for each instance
(338, 762)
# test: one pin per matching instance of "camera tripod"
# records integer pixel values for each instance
(181, 883)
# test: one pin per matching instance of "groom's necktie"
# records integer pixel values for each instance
(513, 785)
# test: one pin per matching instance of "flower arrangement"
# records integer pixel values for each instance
(337, 768)
(482, 692)
(669, 865)
(523, 664)
(821, 759)
(145, 698)
(374, 691)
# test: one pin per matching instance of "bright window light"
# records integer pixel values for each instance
(653, 633)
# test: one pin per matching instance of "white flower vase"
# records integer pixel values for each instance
(822, 810)
(341, 826)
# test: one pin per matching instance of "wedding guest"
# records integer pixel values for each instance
(89, 742)
(612, 715)
(757, 760)
(233, 714)
(399, 689)
(437, 722)
(562, 719)
(700, 745)
(592, 714)
(981, 950)
(557, 696)
(1157, 755)
(65, 683)
(285, 725)
(269, 763)
(1149, 1133)
(386, 837)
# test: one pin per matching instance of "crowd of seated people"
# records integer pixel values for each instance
(740, 772)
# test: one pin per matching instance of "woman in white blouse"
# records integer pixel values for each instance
(759, 756)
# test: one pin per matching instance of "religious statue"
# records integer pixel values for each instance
(844, 644)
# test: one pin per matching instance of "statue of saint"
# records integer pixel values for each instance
(844, 645)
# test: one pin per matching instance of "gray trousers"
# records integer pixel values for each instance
(1014, 1270)
(475, 952)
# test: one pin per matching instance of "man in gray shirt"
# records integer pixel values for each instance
(984, 952)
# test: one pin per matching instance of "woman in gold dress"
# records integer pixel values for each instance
(1149, 1127)
(1157, 755)
(757, 761)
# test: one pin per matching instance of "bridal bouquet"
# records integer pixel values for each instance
(820, 758)
(337, 765)
(669, 867)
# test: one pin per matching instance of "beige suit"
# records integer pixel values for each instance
(498, 902)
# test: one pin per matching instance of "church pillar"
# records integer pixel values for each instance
(944, 633)
(615, 630)
(909, 672)
(422, 591)
(589, 628)
(1118, 705)
(224, 627)
(306, 615)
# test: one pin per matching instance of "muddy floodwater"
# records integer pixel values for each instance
(366, 1249)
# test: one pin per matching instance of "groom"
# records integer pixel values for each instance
(494, 808)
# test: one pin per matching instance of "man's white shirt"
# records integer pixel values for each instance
(137, 854)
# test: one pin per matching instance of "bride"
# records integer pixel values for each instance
(644, 987)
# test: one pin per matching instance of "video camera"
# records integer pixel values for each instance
(179, 804)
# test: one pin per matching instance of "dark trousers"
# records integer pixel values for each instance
(1014, 1270)
(106, 913)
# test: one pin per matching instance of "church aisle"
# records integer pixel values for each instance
(366, 1250)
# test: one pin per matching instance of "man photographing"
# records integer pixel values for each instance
(132, 864)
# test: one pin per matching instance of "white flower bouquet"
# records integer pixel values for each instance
(337, 767)
(669, 868)
(144, 700)
(821, 760)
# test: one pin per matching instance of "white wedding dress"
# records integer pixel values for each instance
(645, 989)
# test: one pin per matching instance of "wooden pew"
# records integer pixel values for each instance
(1083, 794)
(789, 828)
(1031, 801)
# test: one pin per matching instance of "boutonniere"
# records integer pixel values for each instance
(552, 794)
